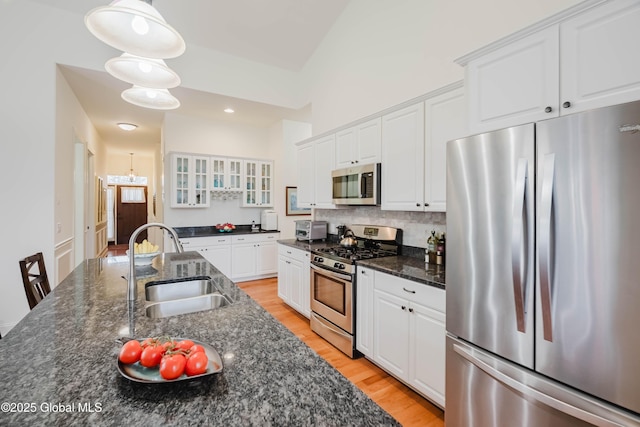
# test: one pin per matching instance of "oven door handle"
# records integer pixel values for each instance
(345, 277)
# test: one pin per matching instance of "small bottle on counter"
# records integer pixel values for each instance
(440, 250)
(431, 248)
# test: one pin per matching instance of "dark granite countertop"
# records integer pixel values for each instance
(59, 362)
(210, 230)
(407, 267)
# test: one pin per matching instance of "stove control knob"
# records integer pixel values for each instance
(319, 259)
(336, 265)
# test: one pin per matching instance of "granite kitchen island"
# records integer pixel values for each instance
(59, 364)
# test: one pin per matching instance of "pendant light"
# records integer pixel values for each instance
(136, 27)
(147, 72)
(158, 99)
(132, 174)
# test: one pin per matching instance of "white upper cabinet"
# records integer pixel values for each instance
(258, 183)
(316, 160)
(359, 144)
(189, 181)
(515, 84)
(571, 64)
(403, 159)
(599, 61)
(445, 119)
(226, 174)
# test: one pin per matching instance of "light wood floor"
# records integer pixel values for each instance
(406, 406)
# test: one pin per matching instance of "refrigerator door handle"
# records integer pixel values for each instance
(545, 242)
(532, 393)
(518, 239)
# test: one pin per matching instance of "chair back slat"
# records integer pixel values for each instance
(36, 285)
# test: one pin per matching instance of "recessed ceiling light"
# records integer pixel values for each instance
(127, 126)
(229, 110)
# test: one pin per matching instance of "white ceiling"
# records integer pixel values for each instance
(281, 33)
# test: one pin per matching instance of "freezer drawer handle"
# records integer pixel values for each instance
(545, 242)
(534, 394)
(519, 243)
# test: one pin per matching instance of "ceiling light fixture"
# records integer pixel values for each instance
(127, 126)
(136, 27)
(157, 99)
(147, 72)
(132, 174)
(229, 110)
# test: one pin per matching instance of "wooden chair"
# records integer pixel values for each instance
(36, 285)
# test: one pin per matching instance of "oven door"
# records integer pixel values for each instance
(332, 297)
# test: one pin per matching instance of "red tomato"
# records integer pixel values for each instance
(196, 348)
(151, 356)
(172, 366)
(148, 342)
(184, 344)
(169, 345)
(130, 352)
(196, 364)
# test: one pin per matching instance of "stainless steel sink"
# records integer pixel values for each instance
(187, 305)
(181, 288)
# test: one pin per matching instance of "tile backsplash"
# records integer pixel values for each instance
(416, 226)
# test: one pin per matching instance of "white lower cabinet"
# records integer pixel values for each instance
(403, 322)
(364, 311)
(239, 257)
(254, 256)
(216, 250)
(294, 279)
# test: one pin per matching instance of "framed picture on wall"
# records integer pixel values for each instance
(292, 203)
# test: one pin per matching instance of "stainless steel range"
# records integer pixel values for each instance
(333, 282)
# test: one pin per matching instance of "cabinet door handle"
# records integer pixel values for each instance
(408, 290)
(548, 109)
(566, 104)
(418, 204)
(404, 307)
(426, 204)
(411, 310)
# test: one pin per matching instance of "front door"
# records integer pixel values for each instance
(131, 212)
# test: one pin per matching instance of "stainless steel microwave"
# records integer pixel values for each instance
(357, 185)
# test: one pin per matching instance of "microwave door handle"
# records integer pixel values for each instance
(363, 186)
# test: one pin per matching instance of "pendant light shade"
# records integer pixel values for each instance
(158, 99)
(147, 72)
(135, 27)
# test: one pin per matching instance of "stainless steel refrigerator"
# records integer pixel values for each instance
(543, 273)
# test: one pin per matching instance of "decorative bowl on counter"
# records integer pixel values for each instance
(227, 227)
(144, 259)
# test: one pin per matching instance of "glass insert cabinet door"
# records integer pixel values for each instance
(266, 188)
(181, 192)
(201, 181)
(258, 184)
(218, 173)
(190, 181)
(226, 174)
(250, 191)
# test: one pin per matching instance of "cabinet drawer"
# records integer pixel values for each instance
(297, 254)
(255, 238)
(413, 291)
(205, 241)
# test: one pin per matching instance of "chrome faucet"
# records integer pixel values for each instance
(132, 284)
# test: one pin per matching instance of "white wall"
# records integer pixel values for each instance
(283, 137)
(381, 53)
(202, 136)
